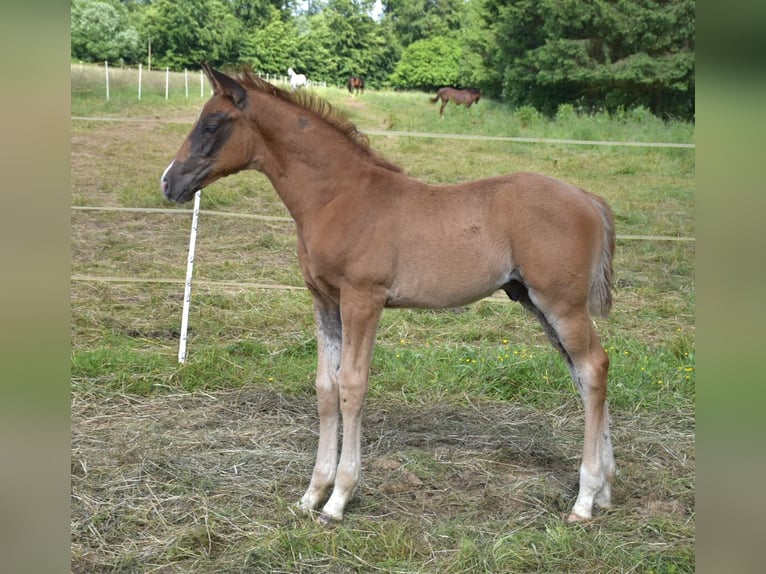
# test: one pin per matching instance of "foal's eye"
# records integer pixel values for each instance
(211, 128)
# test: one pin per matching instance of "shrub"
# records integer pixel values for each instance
(527, 115)
(428, 64)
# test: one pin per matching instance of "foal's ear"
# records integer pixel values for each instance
(224, 85)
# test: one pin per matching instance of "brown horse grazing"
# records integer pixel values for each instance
(371, 237)
(355, 83)
(465, 97)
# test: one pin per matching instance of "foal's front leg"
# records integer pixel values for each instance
(360, 312)
(328, 327)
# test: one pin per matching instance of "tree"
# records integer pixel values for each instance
(428, 64)
(329, 43)
(352, 42)
(413, 20)
(474, 49)
(189, 32)
(604, 53)
(100, 31)
(254, 13)
(271, 46)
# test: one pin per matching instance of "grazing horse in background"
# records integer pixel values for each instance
(296, 80)
(355, 83)
(371, 237)
(465, 97)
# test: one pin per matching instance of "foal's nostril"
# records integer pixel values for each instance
(164, 183)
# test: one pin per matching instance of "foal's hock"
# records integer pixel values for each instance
(371, 237)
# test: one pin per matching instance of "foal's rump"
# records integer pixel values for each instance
(561, 237)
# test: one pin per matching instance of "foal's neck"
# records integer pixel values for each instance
(307, 159)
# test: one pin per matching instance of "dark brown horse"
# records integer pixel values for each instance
(371, 237)
(466, 97)
(355, 83)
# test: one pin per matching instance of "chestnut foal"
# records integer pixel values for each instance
(371, 237)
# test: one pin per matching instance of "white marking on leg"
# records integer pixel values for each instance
(608, 467)
(360, 314)
(589, 368)
(328, 360)
(590, 485)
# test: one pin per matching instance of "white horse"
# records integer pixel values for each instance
(296, 80)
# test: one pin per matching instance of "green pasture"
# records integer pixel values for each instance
(473, 431)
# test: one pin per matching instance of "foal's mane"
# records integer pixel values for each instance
(320, 108)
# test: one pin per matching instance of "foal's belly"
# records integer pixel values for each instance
(437, 300)
(427, 289)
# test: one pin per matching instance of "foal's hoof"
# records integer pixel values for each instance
(326, 519)
(301, 509)
(574, 517)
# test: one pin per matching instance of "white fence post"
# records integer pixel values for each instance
(187, 285)
(273, 78)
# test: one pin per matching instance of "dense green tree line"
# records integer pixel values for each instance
(593, 54)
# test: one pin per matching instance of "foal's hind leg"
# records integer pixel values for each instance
(572, 334)
(589, 365)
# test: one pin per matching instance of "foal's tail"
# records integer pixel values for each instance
(600, 296)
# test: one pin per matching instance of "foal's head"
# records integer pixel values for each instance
(228, 137)
(218, 144)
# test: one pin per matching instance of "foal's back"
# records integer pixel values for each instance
(454, 244)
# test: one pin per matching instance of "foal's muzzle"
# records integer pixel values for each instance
(177, 184)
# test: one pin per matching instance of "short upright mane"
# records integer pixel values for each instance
(320, 108)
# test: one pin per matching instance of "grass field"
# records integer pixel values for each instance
(473, 430)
